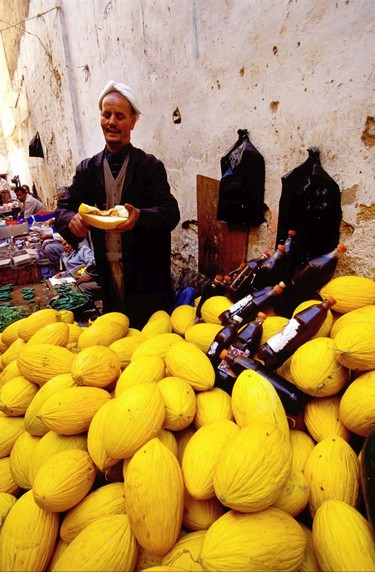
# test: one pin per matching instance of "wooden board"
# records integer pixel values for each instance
(220, 248)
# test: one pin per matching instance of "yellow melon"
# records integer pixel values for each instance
(102, 333)
(21, 458)
(302, 445)
(168, 439)
(34, 322)
(202, 334)
(322, 418)
(11, 353)
(33, 424)
(142, 370)
(56, 333)
(135, 417)
(6, 503)
(332, 471)
(9, 371)
(63, 480)
(156, 326)
(95, 435)
(310, 562)
(16, 395)
(294, 495)
(69, 411)
(157, 345)
(357, 405)
(182, 318)
(355, 345)
(180, 402)
(315, 370)
(184, 554)
(350, 292)
(266, 540)
(202, 454)
(254, 399)
(342, 538)
(67, 316)
(117, 549)
(28, 536)
(125, 347)
(10, 429)
(184, 359)
(7, 482)
(200, 514)
(97, 366)
(118, 317)
(182, 438)
(103, 501)
(40, 362)
(154, 479)
(50, 444)
(10, 333)
(363, 314)
(213, 307)
(254, 465)
(212, 405)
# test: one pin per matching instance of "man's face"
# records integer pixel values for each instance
(67, 248)
(117, 121)
(21, 195)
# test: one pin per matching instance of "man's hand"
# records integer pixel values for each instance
(78, 227)
(130, 223)
(84, 278)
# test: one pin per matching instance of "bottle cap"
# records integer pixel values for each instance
(292, 232)
(278, 289)
(282, 284)
(262, 315)
(237, 318)
(219, 277)
(341, 247)
(266, 254)
(223, 354)
(227, 279)
(281, 247)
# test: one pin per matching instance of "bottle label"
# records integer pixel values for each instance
(240, 304)
(225, 368)
(212, 349)
(287, 333)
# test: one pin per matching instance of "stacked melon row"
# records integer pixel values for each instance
(119, 453)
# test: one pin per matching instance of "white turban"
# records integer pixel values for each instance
(125, 90)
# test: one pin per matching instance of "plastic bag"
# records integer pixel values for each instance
(35, 147)
(241, 191)
(310, 204)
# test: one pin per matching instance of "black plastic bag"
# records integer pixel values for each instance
(310, 204)
(35, 147)
(241, 190)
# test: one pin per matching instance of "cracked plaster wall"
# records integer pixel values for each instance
(295, 73)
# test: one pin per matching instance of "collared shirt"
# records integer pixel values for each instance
(116, 160)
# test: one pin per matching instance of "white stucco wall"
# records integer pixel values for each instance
(295, 73)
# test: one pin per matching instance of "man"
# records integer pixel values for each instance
(81, 258)
(31, 205)
(133, 261)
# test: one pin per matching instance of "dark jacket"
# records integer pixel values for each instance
(146, 248)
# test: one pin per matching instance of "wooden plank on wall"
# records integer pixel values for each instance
(220, 248)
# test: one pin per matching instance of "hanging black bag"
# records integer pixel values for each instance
(310, 204)
(35, 147)
(241, 190)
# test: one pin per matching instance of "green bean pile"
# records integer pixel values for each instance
(69, 301)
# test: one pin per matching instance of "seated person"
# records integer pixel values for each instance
(71, 260)
(30, 204)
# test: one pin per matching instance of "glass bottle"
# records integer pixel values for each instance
(249, 306)
(294, 333)
(292, 398)
(214, 288)
(248, 339)
(289, 262)
(271, 271)
(307, 281)
(241, 284)
(223, 339)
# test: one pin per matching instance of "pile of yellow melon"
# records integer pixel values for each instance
(118, 453)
